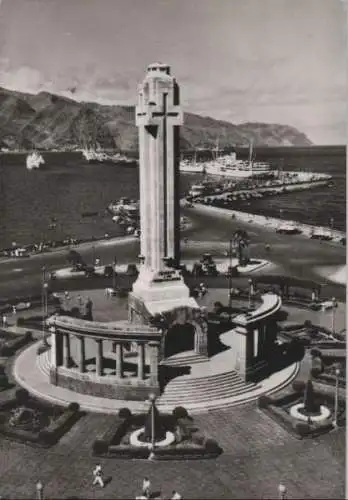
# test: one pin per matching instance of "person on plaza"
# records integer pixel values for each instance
(14, 310)
(98, 476)
(176, 496)
(4, 321)
(146, 487)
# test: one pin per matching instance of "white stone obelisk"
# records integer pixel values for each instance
(158, 117)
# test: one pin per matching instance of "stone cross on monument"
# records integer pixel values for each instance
(158, 117)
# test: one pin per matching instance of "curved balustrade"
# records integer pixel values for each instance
(255, 336)
(271, 303)
(146, 338)
(105, 331)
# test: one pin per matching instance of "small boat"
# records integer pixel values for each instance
(34, 161)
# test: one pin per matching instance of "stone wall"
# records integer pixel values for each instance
(113, 389)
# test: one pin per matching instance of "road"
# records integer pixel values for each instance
(292, 255)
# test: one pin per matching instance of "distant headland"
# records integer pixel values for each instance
(48, 121)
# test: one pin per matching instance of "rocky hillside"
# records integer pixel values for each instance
(49, 121)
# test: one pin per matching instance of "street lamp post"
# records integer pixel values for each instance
(114, 274)
(230, 279)
(250, 281)
(93, 255)
(332, 220)
(333, 316)
(44, 302)
(39, 490)
(337, 373)
(282, 492)
(152, 398)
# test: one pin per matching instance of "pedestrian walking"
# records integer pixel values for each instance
(98, 476)
(4, 321)
(146, 487)
(14, 310)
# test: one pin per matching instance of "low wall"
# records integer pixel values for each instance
(102, 387)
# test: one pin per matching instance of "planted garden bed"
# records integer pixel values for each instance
(189, 443)
(25, 419)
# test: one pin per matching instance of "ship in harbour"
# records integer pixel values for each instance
(96, 156)
(34, 161)
(227, 165)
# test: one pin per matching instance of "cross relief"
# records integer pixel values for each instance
(154, 114)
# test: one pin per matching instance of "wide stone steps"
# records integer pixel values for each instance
(185, 359)
(201, 390)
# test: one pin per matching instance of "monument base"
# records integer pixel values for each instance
(165, 293)
(156, 293)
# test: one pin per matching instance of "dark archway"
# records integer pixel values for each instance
(179, 338)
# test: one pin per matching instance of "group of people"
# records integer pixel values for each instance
(98, 478)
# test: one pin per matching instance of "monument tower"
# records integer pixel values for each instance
(158, 117)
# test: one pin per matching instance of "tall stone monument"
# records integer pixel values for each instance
(159, 288)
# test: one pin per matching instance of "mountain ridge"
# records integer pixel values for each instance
(51, 121)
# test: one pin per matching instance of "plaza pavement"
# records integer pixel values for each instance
(257, 456)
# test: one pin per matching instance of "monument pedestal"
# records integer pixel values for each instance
(164, 293)
(156, 293)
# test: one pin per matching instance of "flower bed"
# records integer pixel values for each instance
(11, 344)
(279, 410)
(115, 442)
(28, 420)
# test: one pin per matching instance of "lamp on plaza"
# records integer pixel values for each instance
(280, 213)
(93, 255)
(250, 282)
(44, 302)
(337, 374)
(39, 490)
(332, 220)
(114, 274)
(152, 399)
(282, 491)
(230, 278)
(333, 316)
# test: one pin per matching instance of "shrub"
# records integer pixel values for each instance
(298, 386)
(315, 372)
(100, 447)
(307, 324)
(124, 413)
(212, 446)
(28, 336)
(263, 401)
(302, 429)
(180, 412)
(3, 380)
(315, 352)
(46, 437)
(22, 396)
(198, 439)
(74, 407)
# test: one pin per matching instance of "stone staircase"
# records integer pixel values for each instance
(185, 358)
(189, 391)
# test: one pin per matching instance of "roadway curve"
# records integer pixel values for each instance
(293, 255)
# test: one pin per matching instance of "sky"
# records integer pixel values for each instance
(273, 61)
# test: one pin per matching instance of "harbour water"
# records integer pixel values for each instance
(68, 188)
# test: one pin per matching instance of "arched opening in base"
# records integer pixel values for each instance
(179, 338)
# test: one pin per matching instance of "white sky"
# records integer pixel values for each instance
(280, 61)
